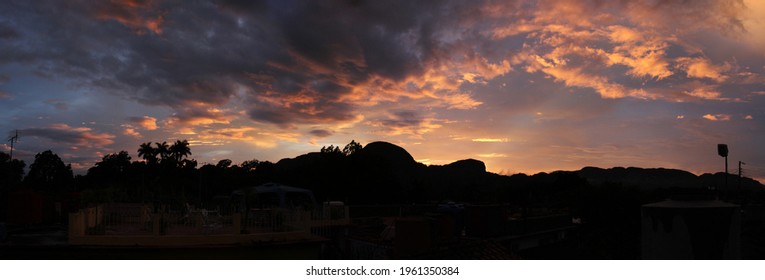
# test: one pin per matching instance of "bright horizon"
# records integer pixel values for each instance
(523, 86)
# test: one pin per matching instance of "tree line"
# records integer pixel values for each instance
(164, 173)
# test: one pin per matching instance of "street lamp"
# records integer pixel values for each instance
(722, 150)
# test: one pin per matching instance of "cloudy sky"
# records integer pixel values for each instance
(525, 86)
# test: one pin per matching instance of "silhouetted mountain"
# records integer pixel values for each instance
(650, 178)
(658, 178)
(302, 161)
(463, 180)
(388, 152)
(717, 180)
(382, 172)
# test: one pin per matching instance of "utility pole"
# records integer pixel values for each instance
(13, 139)
(740, 171)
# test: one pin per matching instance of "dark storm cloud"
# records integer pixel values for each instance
(309, 112)
(78, 136)
(404, 122)
(8, 32)
(123, 49)
(180, 53)
(403, 119)
(321, 133)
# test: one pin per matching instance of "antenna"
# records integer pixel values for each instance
(13, 139)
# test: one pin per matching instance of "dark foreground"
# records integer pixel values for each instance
(266, 252)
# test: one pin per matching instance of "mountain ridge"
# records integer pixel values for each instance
(385, 172)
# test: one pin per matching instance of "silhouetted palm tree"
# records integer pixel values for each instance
(148, 153)
(163, 150)
(180, 149)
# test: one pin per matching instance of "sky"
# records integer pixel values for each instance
(524, 86)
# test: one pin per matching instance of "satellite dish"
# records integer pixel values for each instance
(722, 150)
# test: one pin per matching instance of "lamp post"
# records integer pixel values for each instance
(722, 150)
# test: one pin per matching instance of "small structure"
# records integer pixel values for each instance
(273, 195)
(702, 229)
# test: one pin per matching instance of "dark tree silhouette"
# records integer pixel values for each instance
(148, 153)
(118, 162)
(49, 173)
(224, 163)
(180, 149)
(111, 167)
(114, 178)
(11, 171)
(188, 164)
(249, 165)
(11, 174)
(352, 148)
(330, 150)
(162, 150)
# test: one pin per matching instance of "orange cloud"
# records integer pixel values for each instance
(520, 27)
(576, 77)
(438, 86)
(723, 16)
(643, 63)
(493, 155)
(200, 115)
(700, 67)
(707, 93)
(579, 43)
(146, 122)
(251, 135)
(490, 140)
(130, 131)
(717, 117)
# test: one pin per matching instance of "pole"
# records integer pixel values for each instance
(740, 171)
(722, 150)
(726, 174)
(13, 139)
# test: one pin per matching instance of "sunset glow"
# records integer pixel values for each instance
(524, 86)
